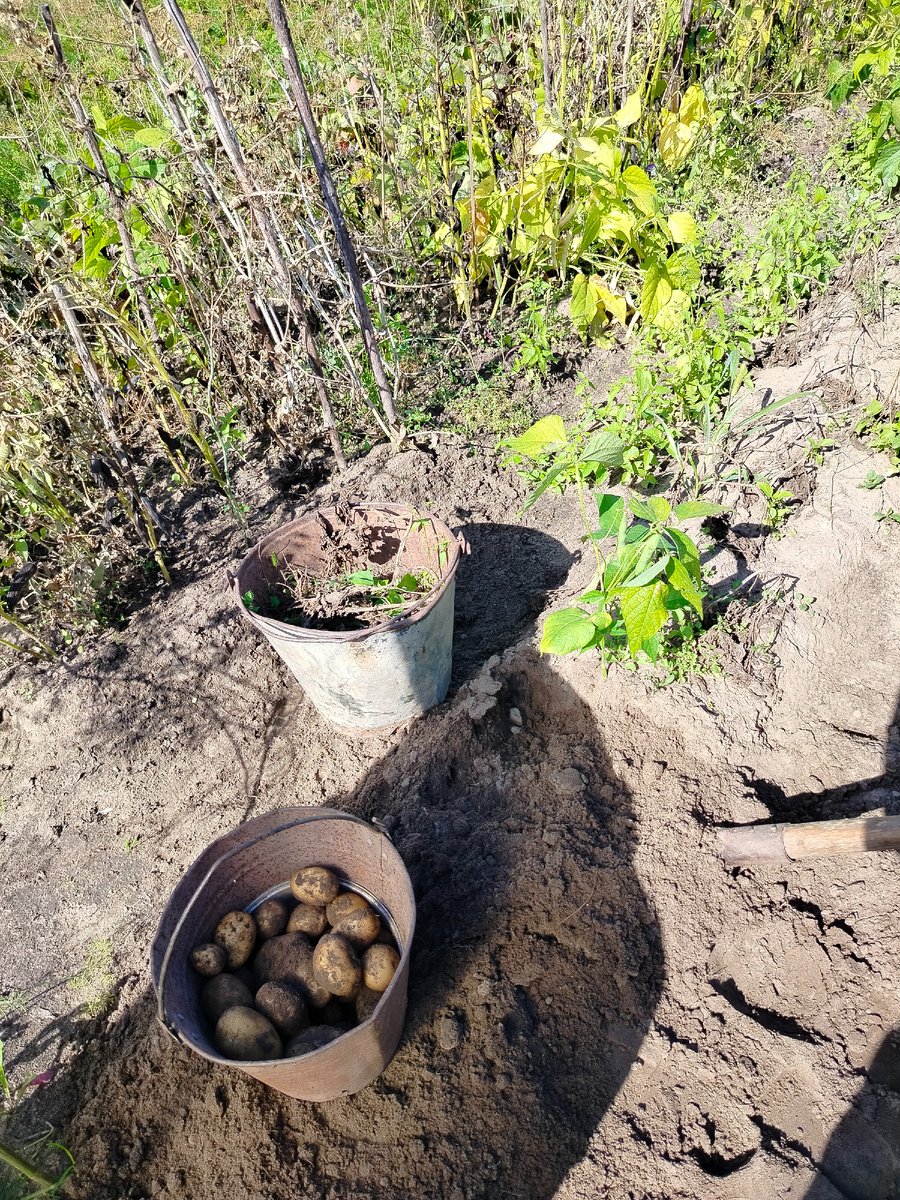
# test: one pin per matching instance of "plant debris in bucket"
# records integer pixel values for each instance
(349, 591)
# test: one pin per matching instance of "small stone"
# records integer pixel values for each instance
(448, 1033)
(568, 781)
(515, 717)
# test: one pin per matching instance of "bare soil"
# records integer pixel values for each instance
(598, 1008)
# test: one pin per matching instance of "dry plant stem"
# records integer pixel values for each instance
(251, 191)
(473, 261)
(626, 52)
(23, 628)
(332, 204)
(85, 127)
(24, 1167)
(545, 54)
(104, 409)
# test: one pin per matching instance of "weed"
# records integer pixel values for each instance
(13, 1166)
(779, 504)
(890, 516)
(873, 480)
(15, 1001)
(131, 843)
(94, 983)
(817, 448)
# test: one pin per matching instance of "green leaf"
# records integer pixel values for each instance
(644, 613)
(683, 270)
(629, 112)
(660, 507)
(408, 583)
(656, 293)
(887, 165)
(547, 142)
(680, 578)
(565, 631)
(556, 470)
(688, 554)
(639, 188)
(651, 647)
(150, 136)
(648, 575)
(697, 508)
(682, 227)
(606, 448)
(544, 435)
(611, 510)
(641, 509)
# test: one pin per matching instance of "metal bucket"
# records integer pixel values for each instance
(363, 680)
(236, 872)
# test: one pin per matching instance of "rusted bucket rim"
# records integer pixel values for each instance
(456, 545)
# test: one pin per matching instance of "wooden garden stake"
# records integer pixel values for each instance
(266, 226)
(332, 204)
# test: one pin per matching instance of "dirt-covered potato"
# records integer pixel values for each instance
(271, 919)
(360, 927)
(311, 1039)
(345, 903)
(336, 966)
(366, 1003)
(315, 885)
(379, 964)
(308, 919)
(289, 957)
(283, 1005)
(221, 993)
(245, 1034)
(208, 959)
(236, 934)
(334, 1013)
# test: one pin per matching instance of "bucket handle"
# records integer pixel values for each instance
(331, 815)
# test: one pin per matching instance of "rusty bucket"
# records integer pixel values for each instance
(234, 873)
(362, 680)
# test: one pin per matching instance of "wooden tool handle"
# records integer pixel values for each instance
(748, 844)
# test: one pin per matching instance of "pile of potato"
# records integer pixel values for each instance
(318, 970)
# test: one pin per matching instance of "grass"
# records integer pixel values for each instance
(94, 982)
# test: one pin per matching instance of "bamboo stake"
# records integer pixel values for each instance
(752, 844)
(85, 127)
(332, 204)
(232, 148)
(104, 408)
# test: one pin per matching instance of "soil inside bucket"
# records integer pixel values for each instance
(356, 574)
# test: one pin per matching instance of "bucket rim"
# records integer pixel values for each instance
(279, 631)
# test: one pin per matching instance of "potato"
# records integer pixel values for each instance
(271, 919)
(224, 992)
(311, 1039)
(334, 1013)
(366, 1003)
(315, 885)
(379, 964)
(309, 919)
(236, 933)
(208, 959)
(360, 927)
(289, 956)
(344, 904)
(245, 1034)
(336, 966)
(282, 1004)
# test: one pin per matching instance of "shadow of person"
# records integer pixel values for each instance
(536, 969)
(861, 1160)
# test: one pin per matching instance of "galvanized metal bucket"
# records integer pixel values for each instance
(236, 872)
(364, 680)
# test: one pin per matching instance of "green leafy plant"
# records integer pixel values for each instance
(17, 1166)
(94, 982)
(651, 580)
(779, 504)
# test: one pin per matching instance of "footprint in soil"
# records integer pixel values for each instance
(536, 970)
